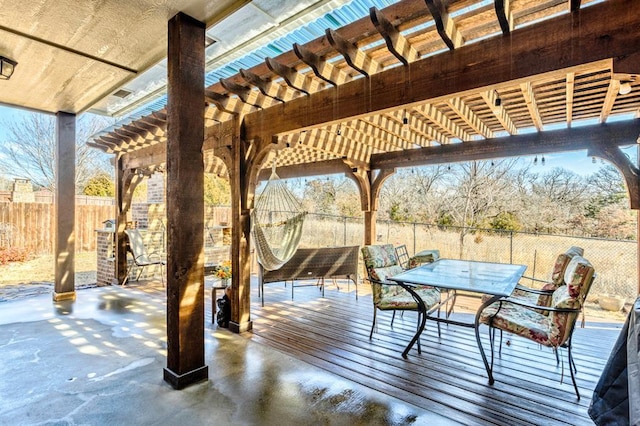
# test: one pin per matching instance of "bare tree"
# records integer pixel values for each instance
(479, 189)
(557, 198)
(28, 150)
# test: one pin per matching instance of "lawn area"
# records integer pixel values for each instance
(40, 269)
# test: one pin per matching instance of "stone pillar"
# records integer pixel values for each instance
(65, 204)
(185, 203)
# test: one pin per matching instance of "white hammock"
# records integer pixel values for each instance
(276, 224)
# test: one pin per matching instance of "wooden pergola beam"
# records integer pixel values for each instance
(446, 27)
(609, 100)
(574, 5)
(608, 29)
(329, 167)
(293, 78)
(532, 104)
(355, 58)
(469, 117)
(321, 68)
(571, 76)
(267, 88)
(397, 44)
(614, 134)
(505, 17)
(493, 100)
(245, 94)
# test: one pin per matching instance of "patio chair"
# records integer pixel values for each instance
(542, 296)
(403, 256)
(381, 262)
(554, 329)
(140, 256)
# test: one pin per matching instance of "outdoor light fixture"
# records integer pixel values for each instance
(7, 66)
(338, 132)
(625, 88)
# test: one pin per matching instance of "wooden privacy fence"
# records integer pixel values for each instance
(32, 225)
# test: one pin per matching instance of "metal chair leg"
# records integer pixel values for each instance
(573, 377)
(392, 318)
(374, 322)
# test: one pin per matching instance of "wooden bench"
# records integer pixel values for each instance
(315, 263)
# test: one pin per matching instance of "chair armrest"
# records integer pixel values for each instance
(536, 307)
(533, 290)
(526, 277)
(374, 281)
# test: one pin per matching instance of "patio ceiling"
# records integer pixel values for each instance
(412, 32)
(109, 55)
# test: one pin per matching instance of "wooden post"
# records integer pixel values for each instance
(240, 235)
(65, 204)
(185, 203)
(370, 218)
(121, 223)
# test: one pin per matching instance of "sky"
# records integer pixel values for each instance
(575, 161)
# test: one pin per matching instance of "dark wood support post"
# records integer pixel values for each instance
(121, 223)
(185, 203)
(65, 204)
(240, 234)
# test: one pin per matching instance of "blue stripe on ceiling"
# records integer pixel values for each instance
(340, 17)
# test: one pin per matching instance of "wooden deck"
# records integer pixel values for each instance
(448, 377)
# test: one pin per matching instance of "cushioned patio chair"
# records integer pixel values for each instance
(381, 263)
(141, 258)
(403, 256)
(554, 329)
(542, 296)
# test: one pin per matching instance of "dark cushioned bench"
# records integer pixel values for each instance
(315, 263)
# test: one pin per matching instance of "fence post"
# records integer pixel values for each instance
(344, 221)
(414, 238)
(511, 247)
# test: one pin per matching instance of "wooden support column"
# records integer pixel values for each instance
(370, 188)
(65, 204)
(126, 182)
(239, 178)
(185, 203)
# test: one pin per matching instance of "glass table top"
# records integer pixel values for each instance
(481, 277)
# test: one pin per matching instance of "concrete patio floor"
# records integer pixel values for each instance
(100, 361)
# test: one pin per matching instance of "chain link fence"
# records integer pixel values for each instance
(615, 261)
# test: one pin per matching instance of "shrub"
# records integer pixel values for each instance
(13, 254)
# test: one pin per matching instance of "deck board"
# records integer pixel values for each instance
(448, 377)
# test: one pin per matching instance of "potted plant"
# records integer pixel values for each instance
(224, 272)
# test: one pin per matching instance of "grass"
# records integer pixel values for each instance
(39, 269)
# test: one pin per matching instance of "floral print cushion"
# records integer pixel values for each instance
(578, 277)
(404, 300)
(379, 256)
(557, 279)
(555, 328)
(560, 267)
(521, 321)
(381, 263)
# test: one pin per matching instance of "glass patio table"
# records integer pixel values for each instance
(495, 279)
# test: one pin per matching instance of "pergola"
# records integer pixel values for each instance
(419, 82)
